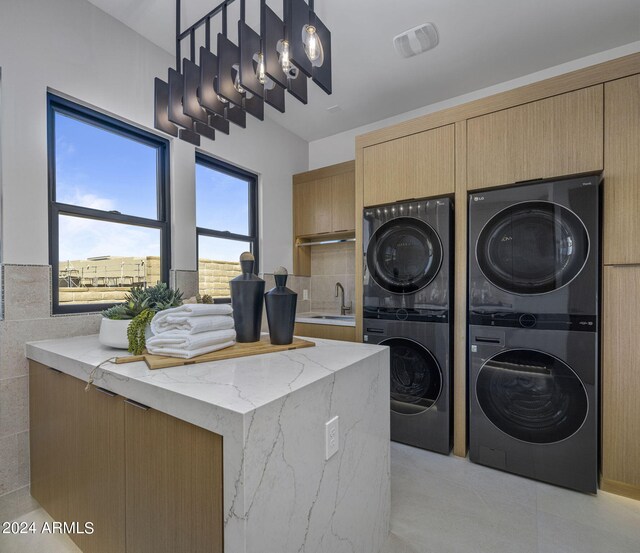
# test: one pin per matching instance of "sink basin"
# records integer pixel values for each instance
(335, 317)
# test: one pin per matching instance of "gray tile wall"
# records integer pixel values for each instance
(331, 263)
(27, 317)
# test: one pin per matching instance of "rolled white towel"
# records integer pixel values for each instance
(192, 325)
(189, 311)
(188, 342)
(188, 354)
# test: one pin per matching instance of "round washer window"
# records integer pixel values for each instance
(404, 255)
(532, 248)
(531, 396)
(416, 379)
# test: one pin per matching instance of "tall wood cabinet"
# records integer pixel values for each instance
(561, 135)
(622, 171)
(147, 481)
(417, 166)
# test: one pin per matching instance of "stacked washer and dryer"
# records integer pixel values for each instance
(407, 306)
(534, 330)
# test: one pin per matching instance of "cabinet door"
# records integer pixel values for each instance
(622, 171)
(52, 439)
(312, 207)
(417, 166)
(621, 381)
(562, 135)
(174, 484)
(98, 485)
(343, 198)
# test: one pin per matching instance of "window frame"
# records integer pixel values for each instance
(57, 104)
(254, 230)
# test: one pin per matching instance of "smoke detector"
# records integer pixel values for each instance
(417, 40)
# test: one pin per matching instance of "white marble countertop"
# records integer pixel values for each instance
(313, 318)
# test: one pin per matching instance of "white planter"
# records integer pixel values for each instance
(114, 333)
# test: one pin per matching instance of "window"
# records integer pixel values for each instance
(109, 214)
(226, 220)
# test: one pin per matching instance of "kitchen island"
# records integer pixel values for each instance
(267, 414)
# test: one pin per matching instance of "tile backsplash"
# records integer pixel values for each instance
(331, 263)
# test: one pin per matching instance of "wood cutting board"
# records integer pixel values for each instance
(238, 350)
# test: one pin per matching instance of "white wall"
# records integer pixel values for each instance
(72, 47)
(341, 147)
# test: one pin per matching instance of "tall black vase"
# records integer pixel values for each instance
(281, 309)
(247, 292)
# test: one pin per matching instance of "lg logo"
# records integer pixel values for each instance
(478, 198)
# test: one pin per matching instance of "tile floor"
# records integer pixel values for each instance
(449, 505)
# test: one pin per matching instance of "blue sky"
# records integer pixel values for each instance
(102, 170)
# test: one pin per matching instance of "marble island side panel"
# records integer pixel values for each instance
(279, 492)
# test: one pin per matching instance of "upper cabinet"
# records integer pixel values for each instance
(561, 135)
(622, 171)
(324, 200)
(421, 165)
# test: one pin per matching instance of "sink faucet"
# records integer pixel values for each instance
(343, 308)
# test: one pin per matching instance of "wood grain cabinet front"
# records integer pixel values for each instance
(328, 332)
(421, 165)
(622, 171)
(147, 481)
(561, 135)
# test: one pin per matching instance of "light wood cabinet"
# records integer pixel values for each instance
(328, 332)
(323, 204)
(622, 171)
(561, 135)
(77, 457)
(417, 166)
(147, 481)
(621, 381)
(174, 484)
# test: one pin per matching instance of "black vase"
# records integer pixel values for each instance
(281, 311)
(247, 292)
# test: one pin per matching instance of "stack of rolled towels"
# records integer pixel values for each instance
(191, 330)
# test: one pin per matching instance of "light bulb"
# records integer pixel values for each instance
(312, 45)
(285, 60)
(262, 77)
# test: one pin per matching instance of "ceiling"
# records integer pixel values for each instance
(482, 42)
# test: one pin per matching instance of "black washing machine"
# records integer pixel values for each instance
(407, 282)
(420, 371)
(534, 254)
(407, 256)
(533, 403)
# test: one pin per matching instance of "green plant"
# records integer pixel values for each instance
(140, 305)
(206, 298)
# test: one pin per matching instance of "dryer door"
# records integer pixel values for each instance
(532, 248)
(531, 396)
(416, 378)
(404, 255)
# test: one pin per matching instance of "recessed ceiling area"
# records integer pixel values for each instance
(482, 43)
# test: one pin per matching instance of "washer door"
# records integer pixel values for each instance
(532, 248)
(416, 378)
(531, 396)
(404, 255)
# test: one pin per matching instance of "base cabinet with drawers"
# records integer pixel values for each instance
(147, 482)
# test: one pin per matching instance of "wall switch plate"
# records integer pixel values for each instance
(305, 295)
(331, 438)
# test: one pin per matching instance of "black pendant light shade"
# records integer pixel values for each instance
(207, 93)
(191, 104)
(208, 74)
(161, 108)
(296, 18)
(228, 70)
(250, 54)
(321, 74)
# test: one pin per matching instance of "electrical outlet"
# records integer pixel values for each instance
(305, 295)
(331, 438)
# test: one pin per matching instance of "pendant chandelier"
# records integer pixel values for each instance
(208, 91)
